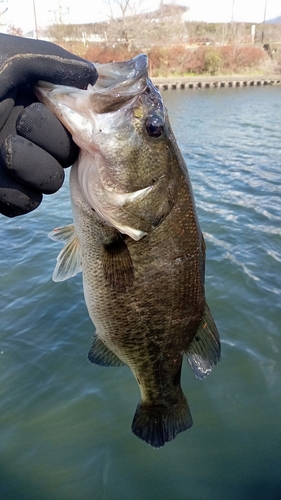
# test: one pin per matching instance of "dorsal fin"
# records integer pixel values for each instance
(204, 351)
(69, 260)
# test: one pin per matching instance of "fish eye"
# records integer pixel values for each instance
(154, 126)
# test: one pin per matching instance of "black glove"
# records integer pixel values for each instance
(34, 145)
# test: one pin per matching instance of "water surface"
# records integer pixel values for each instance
(65, 424)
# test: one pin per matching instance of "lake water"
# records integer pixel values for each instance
(65, 424)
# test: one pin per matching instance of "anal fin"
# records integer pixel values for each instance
(99, 354)
(204, 351)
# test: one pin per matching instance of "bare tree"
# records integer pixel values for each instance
(58, 31)
(13, 30)
(119, 9)
(130, 25)
(124, 19)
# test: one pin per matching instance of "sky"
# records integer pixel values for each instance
(20, 13)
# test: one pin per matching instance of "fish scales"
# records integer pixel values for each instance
(137, 239)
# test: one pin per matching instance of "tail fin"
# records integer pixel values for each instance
(156, 424)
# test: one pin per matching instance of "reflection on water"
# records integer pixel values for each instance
(65, 425)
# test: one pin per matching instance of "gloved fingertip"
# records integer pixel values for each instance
(40, 126)
(32, 166)
(15, 198)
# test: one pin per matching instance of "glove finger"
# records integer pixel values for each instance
(16, 199)
(10, 125)
(6, 106)
(30, 165)
(42, 61)
(11, 107)
(37, 124)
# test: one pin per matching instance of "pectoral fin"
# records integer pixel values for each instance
(69, 260)
(117, 264)
(204, 352)
(99, 354)
(63, 234)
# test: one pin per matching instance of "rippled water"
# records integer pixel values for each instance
(65, 424)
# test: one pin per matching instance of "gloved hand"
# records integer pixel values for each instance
(34, 145)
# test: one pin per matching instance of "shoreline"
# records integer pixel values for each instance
(218, 81)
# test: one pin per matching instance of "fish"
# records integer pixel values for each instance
(137, 240)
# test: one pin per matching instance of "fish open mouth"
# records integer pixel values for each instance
(106, 112)
(117, 83)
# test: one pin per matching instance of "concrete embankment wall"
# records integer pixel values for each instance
(214, 81)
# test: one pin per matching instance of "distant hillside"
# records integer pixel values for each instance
(276, 20)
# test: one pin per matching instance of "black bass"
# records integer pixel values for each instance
(137, 240)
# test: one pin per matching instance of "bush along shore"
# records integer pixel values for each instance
(180, 60)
